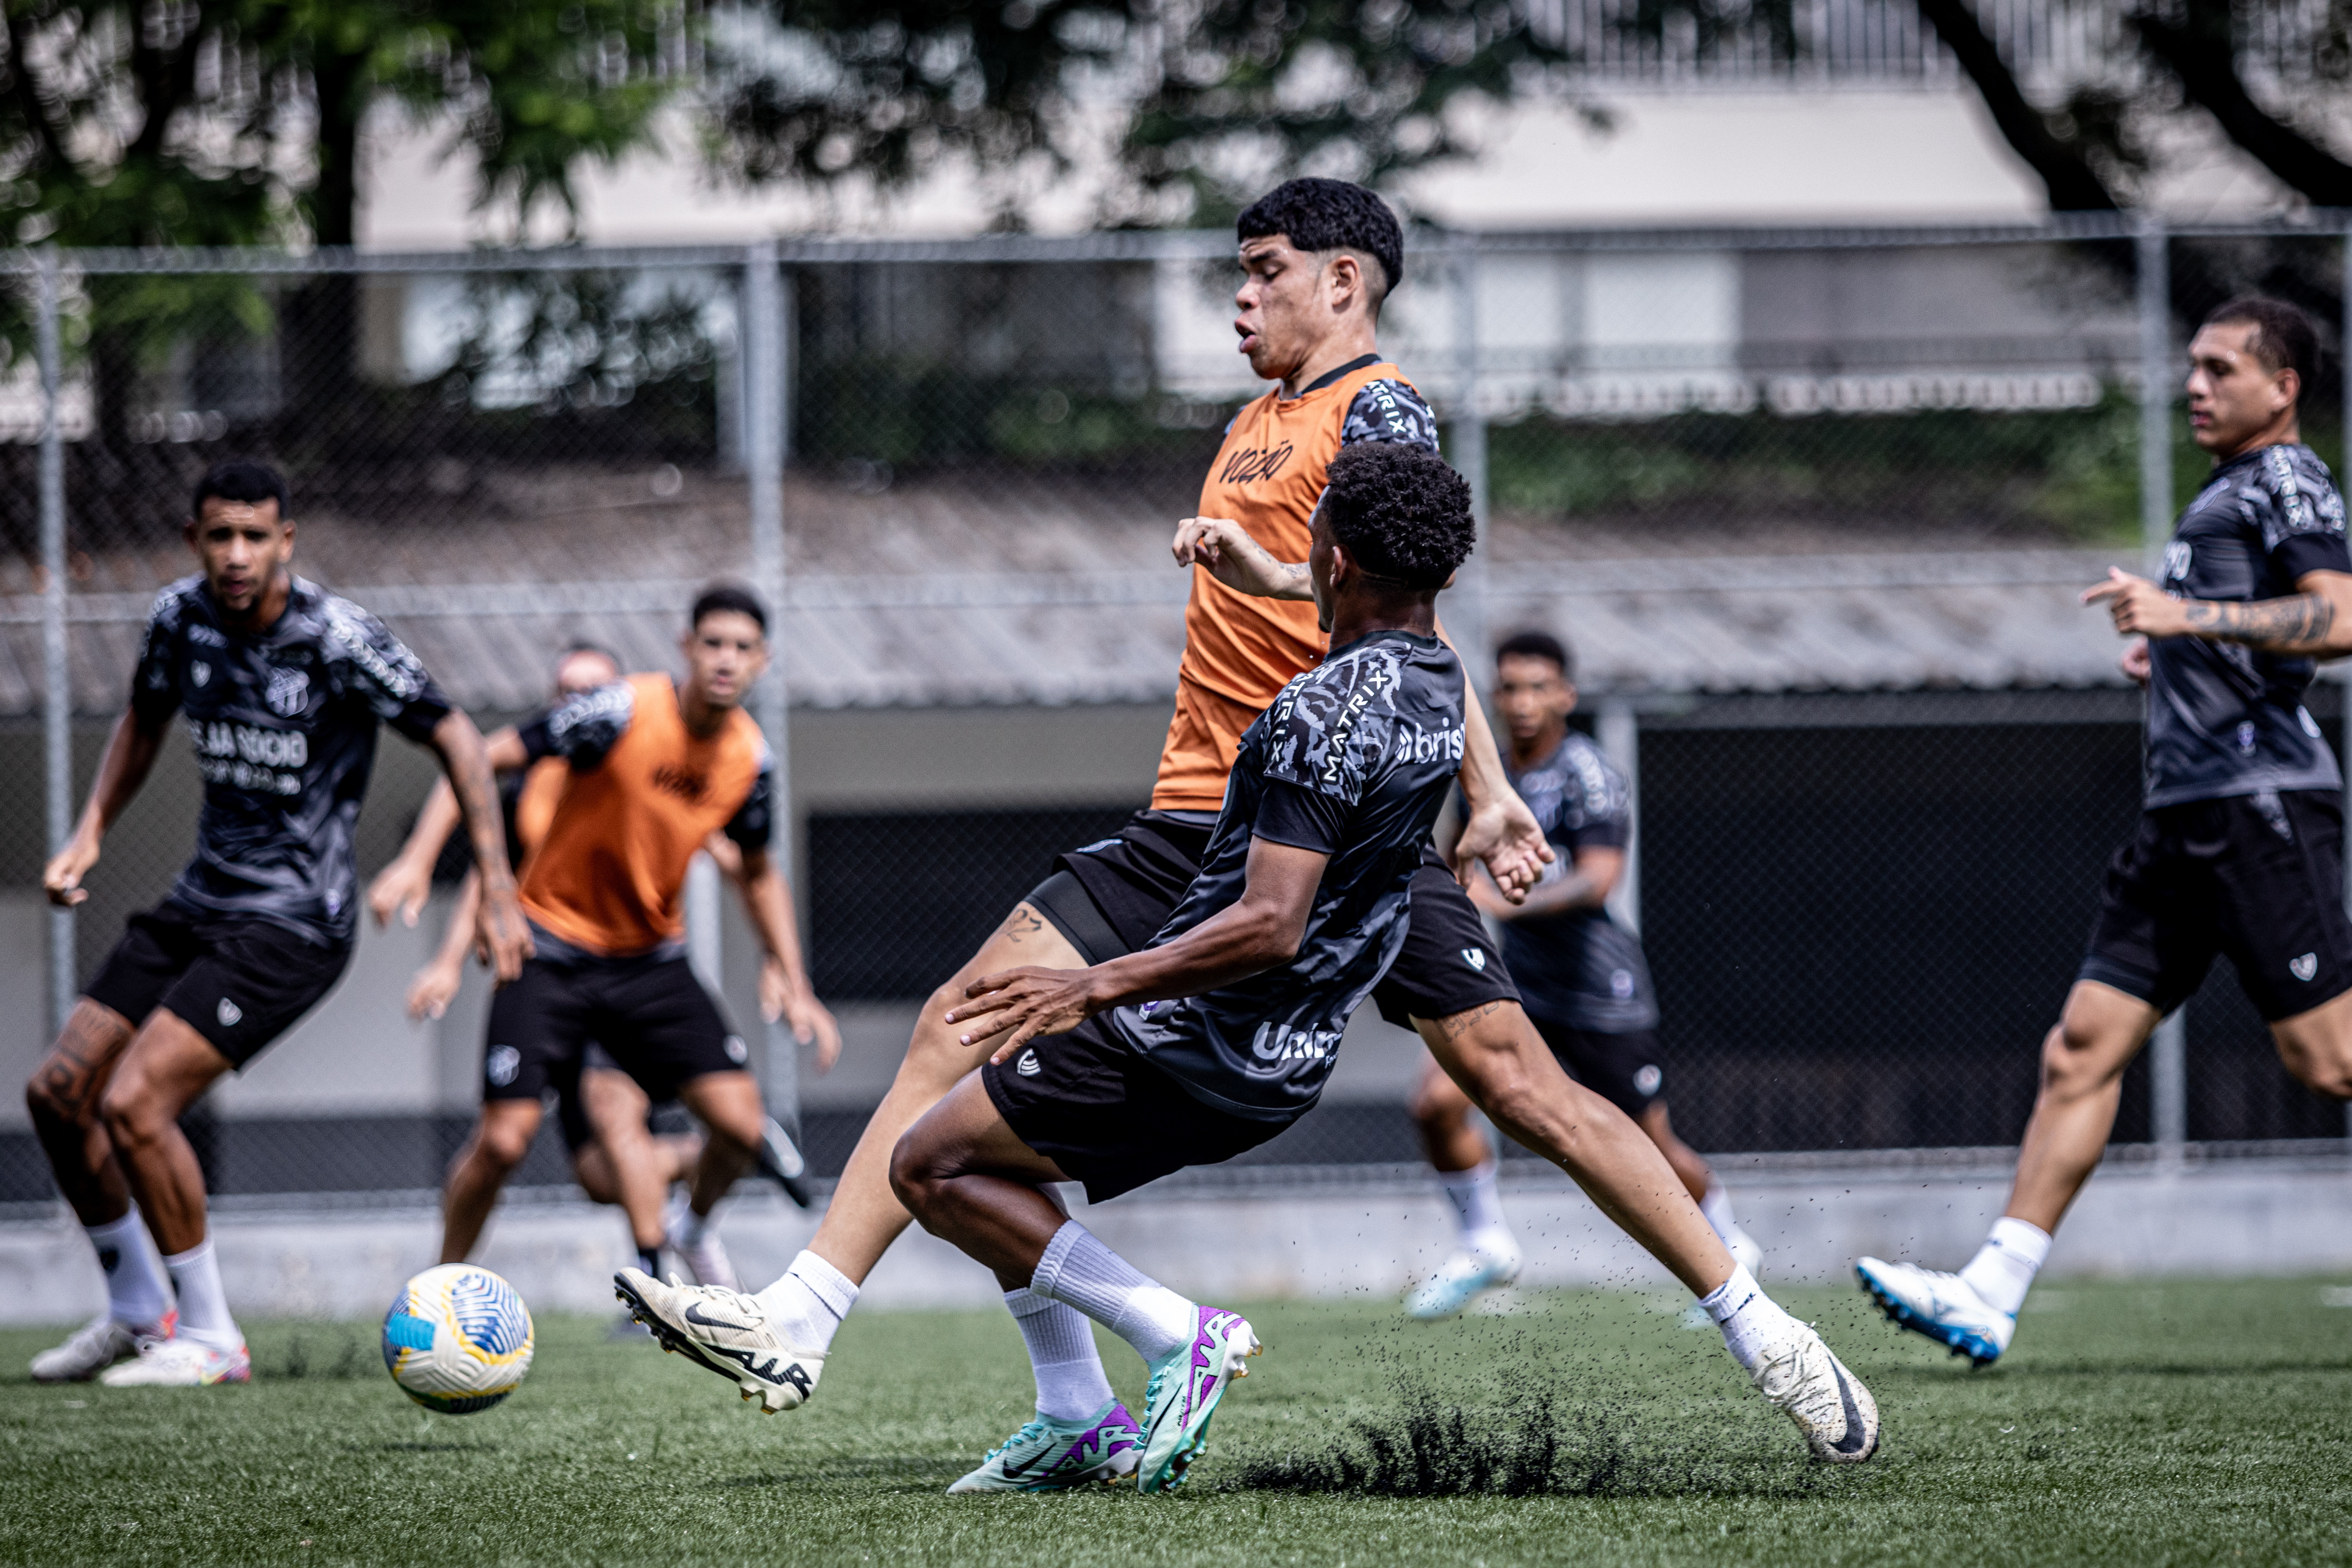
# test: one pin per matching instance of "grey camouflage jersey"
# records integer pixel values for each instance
(1353, 759)
(1578, 967)
(2224, 718)
(284, 727)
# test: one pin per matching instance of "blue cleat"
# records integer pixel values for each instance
(1944, 1307)
(1049, 1456)
(1462, 1280)
(1187, 1386)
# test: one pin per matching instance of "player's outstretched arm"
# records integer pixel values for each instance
(129, 756)
(502, 938)
(1499, 830)
(1237, 561)
(408, 882)
(784, 989)
(2316, 619)
(1256, 931)
(1591, 877)
(436, 984)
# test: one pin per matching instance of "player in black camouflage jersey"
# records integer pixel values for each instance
(1224, 1029)
(2238, 850)
(1582, 976)
(281, 686)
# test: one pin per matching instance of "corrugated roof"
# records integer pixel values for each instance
(997, 591)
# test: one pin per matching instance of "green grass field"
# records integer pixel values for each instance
(2136, 1423)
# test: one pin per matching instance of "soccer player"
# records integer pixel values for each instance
(1222, 1029)
(2239, 849)
(283, 685)
(655, 769)
(1582, 976)
(616, 1157)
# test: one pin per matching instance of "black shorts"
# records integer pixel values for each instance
(1108, 1117)
(651, 1014)
(238, 982)
(571, 1107)
(1111, 899)
(1622, 1068)
(2259, 877)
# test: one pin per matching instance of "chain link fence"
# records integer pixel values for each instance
(1811, 506)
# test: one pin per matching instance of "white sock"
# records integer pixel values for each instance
(1070, 1381)
(1081, 1271)
(1716, 1207)
(1477, 1209)
(136, 1291)
(2004, 1267)
(691, 1226)
(1748, 1317)
(203, 1305)
(808, 1302)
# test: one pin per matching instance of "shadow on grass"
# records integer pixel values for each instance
(1528, 1446)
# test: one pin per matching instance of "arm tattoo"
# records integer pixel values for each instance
(2300, 619)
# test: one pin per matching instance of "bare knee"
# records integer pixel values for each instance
(915, 1172)
(501, 1144)
(2076, 1058)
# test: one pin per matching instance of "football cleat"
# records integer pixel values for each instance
(1944, 1307)
(1049, 1456)
(1460, 1280)
(1805, 1383)
(707, 1259)
(179, 1363)
(726, 1332)
(95, 1346)
(1187, 1384)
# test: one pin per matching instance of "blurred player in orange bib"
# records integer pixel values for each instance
(651, 772)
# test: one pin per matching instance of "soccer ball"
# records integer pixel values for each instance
(458, 1339)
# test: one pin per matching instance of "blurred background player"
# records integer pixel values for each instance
(2240, 847)
(1318, 257)
(616, 1155)
(1224, 1027)
(1582, 976)
(652, 770)
(283, 686)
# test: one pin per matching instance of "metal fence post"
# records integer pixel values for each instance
(1466, 434)
(57, 691)
(1620, 733)
(2169, 1049)
(764, 422)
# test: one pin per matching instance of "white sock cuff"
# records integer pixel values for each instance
(1025, 1302)
(2021, 1239)
(1731, 1295)
(123, 1231)
(1475, 1176)
(829, 1285)
(195, 1254)
(1047, 1275)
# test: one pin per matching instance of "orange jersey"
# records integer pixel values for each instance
(534, 805)
(643, 794)
(1239, 651)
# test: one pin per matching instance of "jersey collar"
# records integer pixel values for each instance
(1329, 376)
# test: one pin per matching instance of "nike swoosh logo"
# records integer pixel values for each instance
(694, 1314)
(1853, 1440)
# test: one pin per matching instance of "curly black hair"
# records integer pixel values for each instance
(1536, 644)
(1317, 215)
(1402, 513)
(241, 479)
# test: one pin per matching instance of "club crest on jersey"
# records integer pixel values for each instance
(1476, 957)
(2306, 966)
(2176, 561)
(199, 672)
(288, 693)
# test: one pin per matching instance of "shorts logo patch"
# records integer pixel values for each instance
(1620, 986)
(1647, 1080)
(1028, 1065)
(2246, 737)
(199, 672)
(228, 1013)
(1476, 957)
(737, 1051)
(2306, 966)
(501, 1065)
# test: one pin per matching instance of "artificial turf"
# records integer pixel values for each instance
(2133, 1422)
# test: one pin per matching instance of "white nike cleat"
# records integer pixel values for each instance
(1944, 1307)
(1812, 1388)
(726, 1332)
(706, 1259)
(179, 1363)
(1460, 1280)
(1744, 1250)
(95, 1346)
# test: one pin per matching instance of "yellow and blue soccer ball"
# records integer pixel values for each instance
(458, 1339)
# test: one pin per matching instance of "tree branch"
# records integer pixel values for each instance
(2201, 53)
(2073, 184)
